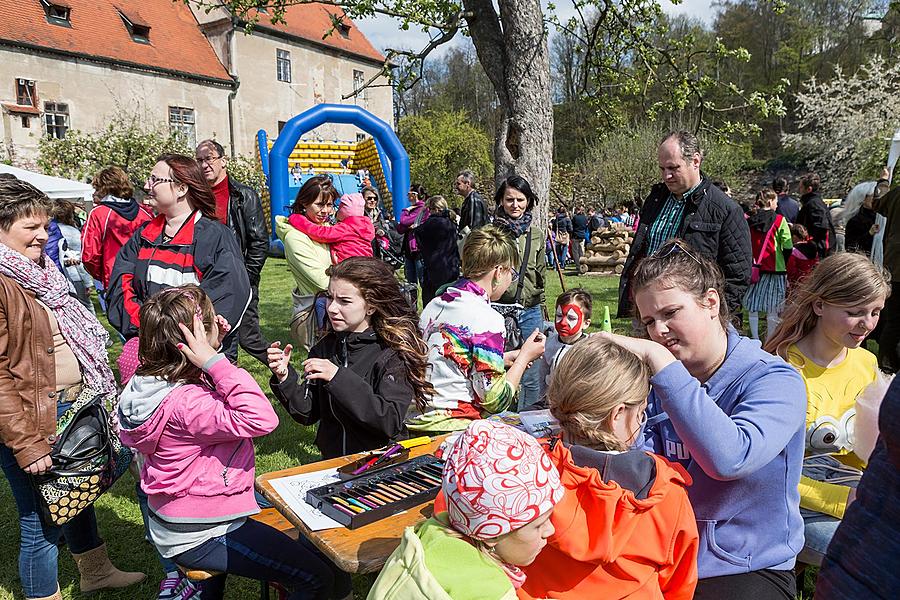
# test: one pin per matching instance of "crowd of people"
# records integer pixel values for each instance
(691, 461)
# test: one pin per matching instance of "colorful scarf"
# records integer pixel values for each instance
(85, 335)
(515, 226)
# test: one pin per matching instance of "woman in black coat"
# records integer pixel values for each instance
(437, 242)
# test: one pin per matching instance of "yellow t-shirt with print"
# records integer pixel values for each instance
(830, 413)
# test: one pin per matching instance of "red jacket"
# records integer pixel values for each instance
(637, 540)
(110, 224)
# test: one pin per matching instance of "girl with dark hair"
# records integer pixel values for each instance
(732, 415)
(307, 259)
(360, 378)
(183, 244)
(515, 202)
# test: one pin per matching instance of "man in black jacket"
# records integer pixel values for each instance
(579, 233)
(474, 212)
(815, 216)
(687, 206)
(240, 208)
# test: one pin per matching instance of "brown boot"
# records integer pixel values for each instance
(98, 573)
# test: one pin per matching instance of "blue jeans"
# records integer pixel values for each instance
(257, 551)
(414, 269)
(562, 251)
(818, 530)
(530, 388)
(38, 552)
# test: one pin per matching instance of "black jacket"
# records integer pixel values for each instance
(579, 226)
(203, 252)
(248, 221)
(856, 236)
(439, 250)
(562, 223)
(816, 217)
(714, 225)
(474, 212)
(363, 407)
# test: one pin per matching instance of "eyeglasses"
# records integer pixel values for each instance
(367, 198)
(667, 250)
(515, 274)
(153, 180)
(208, 160)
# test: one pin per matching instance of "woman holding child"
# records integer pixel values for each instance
(307, 259)
(732, 415)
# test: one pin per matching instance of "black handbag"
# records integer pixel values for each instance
(513, 339)
(87, 458)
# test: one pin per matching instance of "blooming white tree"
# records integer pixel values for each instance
(844, 123)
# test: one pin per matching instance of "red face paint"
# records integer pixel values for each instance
(569, 320)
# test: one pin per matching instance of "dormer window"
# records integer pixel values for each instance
(137, 28)
(57, 12)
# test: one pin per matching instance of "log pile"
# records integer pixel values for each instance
(607, 251)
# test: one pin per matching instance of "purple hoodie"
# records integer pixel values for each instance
(197, 442)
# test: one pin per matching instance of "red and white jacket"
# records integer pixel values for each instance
(110, 224)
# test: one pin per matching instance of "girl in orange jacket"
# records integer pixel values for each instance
(624, 528)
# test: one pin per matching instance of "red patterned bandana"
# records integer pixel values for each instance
(496, 480)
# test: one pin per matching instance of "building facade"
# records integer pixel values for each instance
(78, 63)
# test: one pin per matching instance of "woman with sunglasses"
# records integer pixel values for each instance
(732, 415)
(183, 244)
(465, 338)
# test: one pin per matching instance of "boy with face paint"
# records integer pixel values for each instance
(573, 317)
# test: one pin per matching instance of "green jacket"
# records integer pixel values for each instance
(432, 564)
(533, 292)
(307, 259)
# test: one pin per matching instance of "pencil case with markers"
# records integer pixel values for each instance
(380, 493)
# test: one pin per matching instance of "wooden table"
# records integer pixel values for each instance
(362, 550)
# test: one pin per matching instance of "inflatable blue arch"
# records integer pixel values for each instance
(275, 161)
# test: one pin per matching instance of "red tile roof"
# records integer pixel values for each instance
(176, 43)
(312, 21)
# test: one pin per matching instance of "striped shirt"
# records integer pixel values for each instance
(669, 220)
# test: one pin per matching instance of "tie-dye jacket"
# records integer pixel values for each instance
(465, 358)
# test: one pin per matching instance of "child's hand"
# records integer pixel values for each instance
(320, 368)
(533, 348)
(197, 350)
(279, 360)
(224, 328)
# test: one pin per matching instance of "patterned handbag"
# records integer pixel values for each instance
(87, 457)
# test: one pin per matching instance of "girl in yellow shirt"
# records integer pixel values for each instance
(825, 322)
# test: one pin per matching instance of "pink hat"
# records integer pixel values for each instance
(352, 205)
(496, 480)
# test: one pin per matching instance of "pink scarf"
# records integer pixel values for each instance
(85, 335)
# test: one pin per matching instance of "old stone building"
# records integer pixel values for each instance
(75, 63)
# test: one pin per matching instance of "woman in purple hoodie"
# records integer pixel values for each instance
(732, 415)
(192, 416)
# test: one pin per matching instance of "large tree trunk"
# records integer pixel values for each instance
(512, 48)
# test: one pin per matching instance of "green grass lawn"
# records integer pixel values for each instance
(290, 445)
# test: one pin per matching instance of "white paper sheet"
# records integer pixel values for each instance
(292, 490)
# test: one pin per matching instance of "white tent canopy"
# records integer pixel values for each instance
(56, 188)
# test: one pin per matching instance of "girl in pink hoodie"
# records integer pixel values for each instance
(193, 415)
(351, 236)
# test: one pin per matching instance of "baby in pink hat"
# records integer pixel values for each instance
(352, 235)
(500, 488)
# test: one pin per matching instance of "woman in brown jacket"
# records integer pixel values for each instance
(50, 345)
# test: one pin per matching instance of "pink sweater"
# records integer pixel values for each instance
(351, 237)
(197, 441)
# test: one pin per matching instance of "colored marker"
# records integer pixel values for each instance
(343, 510)
(416, 441)
(362, 498)
(355, 502)
(347, 504)
(366, 466)
(390, 452)
(390, 492)
(410, 480)
(429, 478)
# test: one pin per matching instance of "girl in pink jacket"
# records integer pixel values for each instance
(351, 236)
(192, 416)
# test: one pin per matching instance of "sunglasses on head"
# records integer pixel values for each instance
(670, 248)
